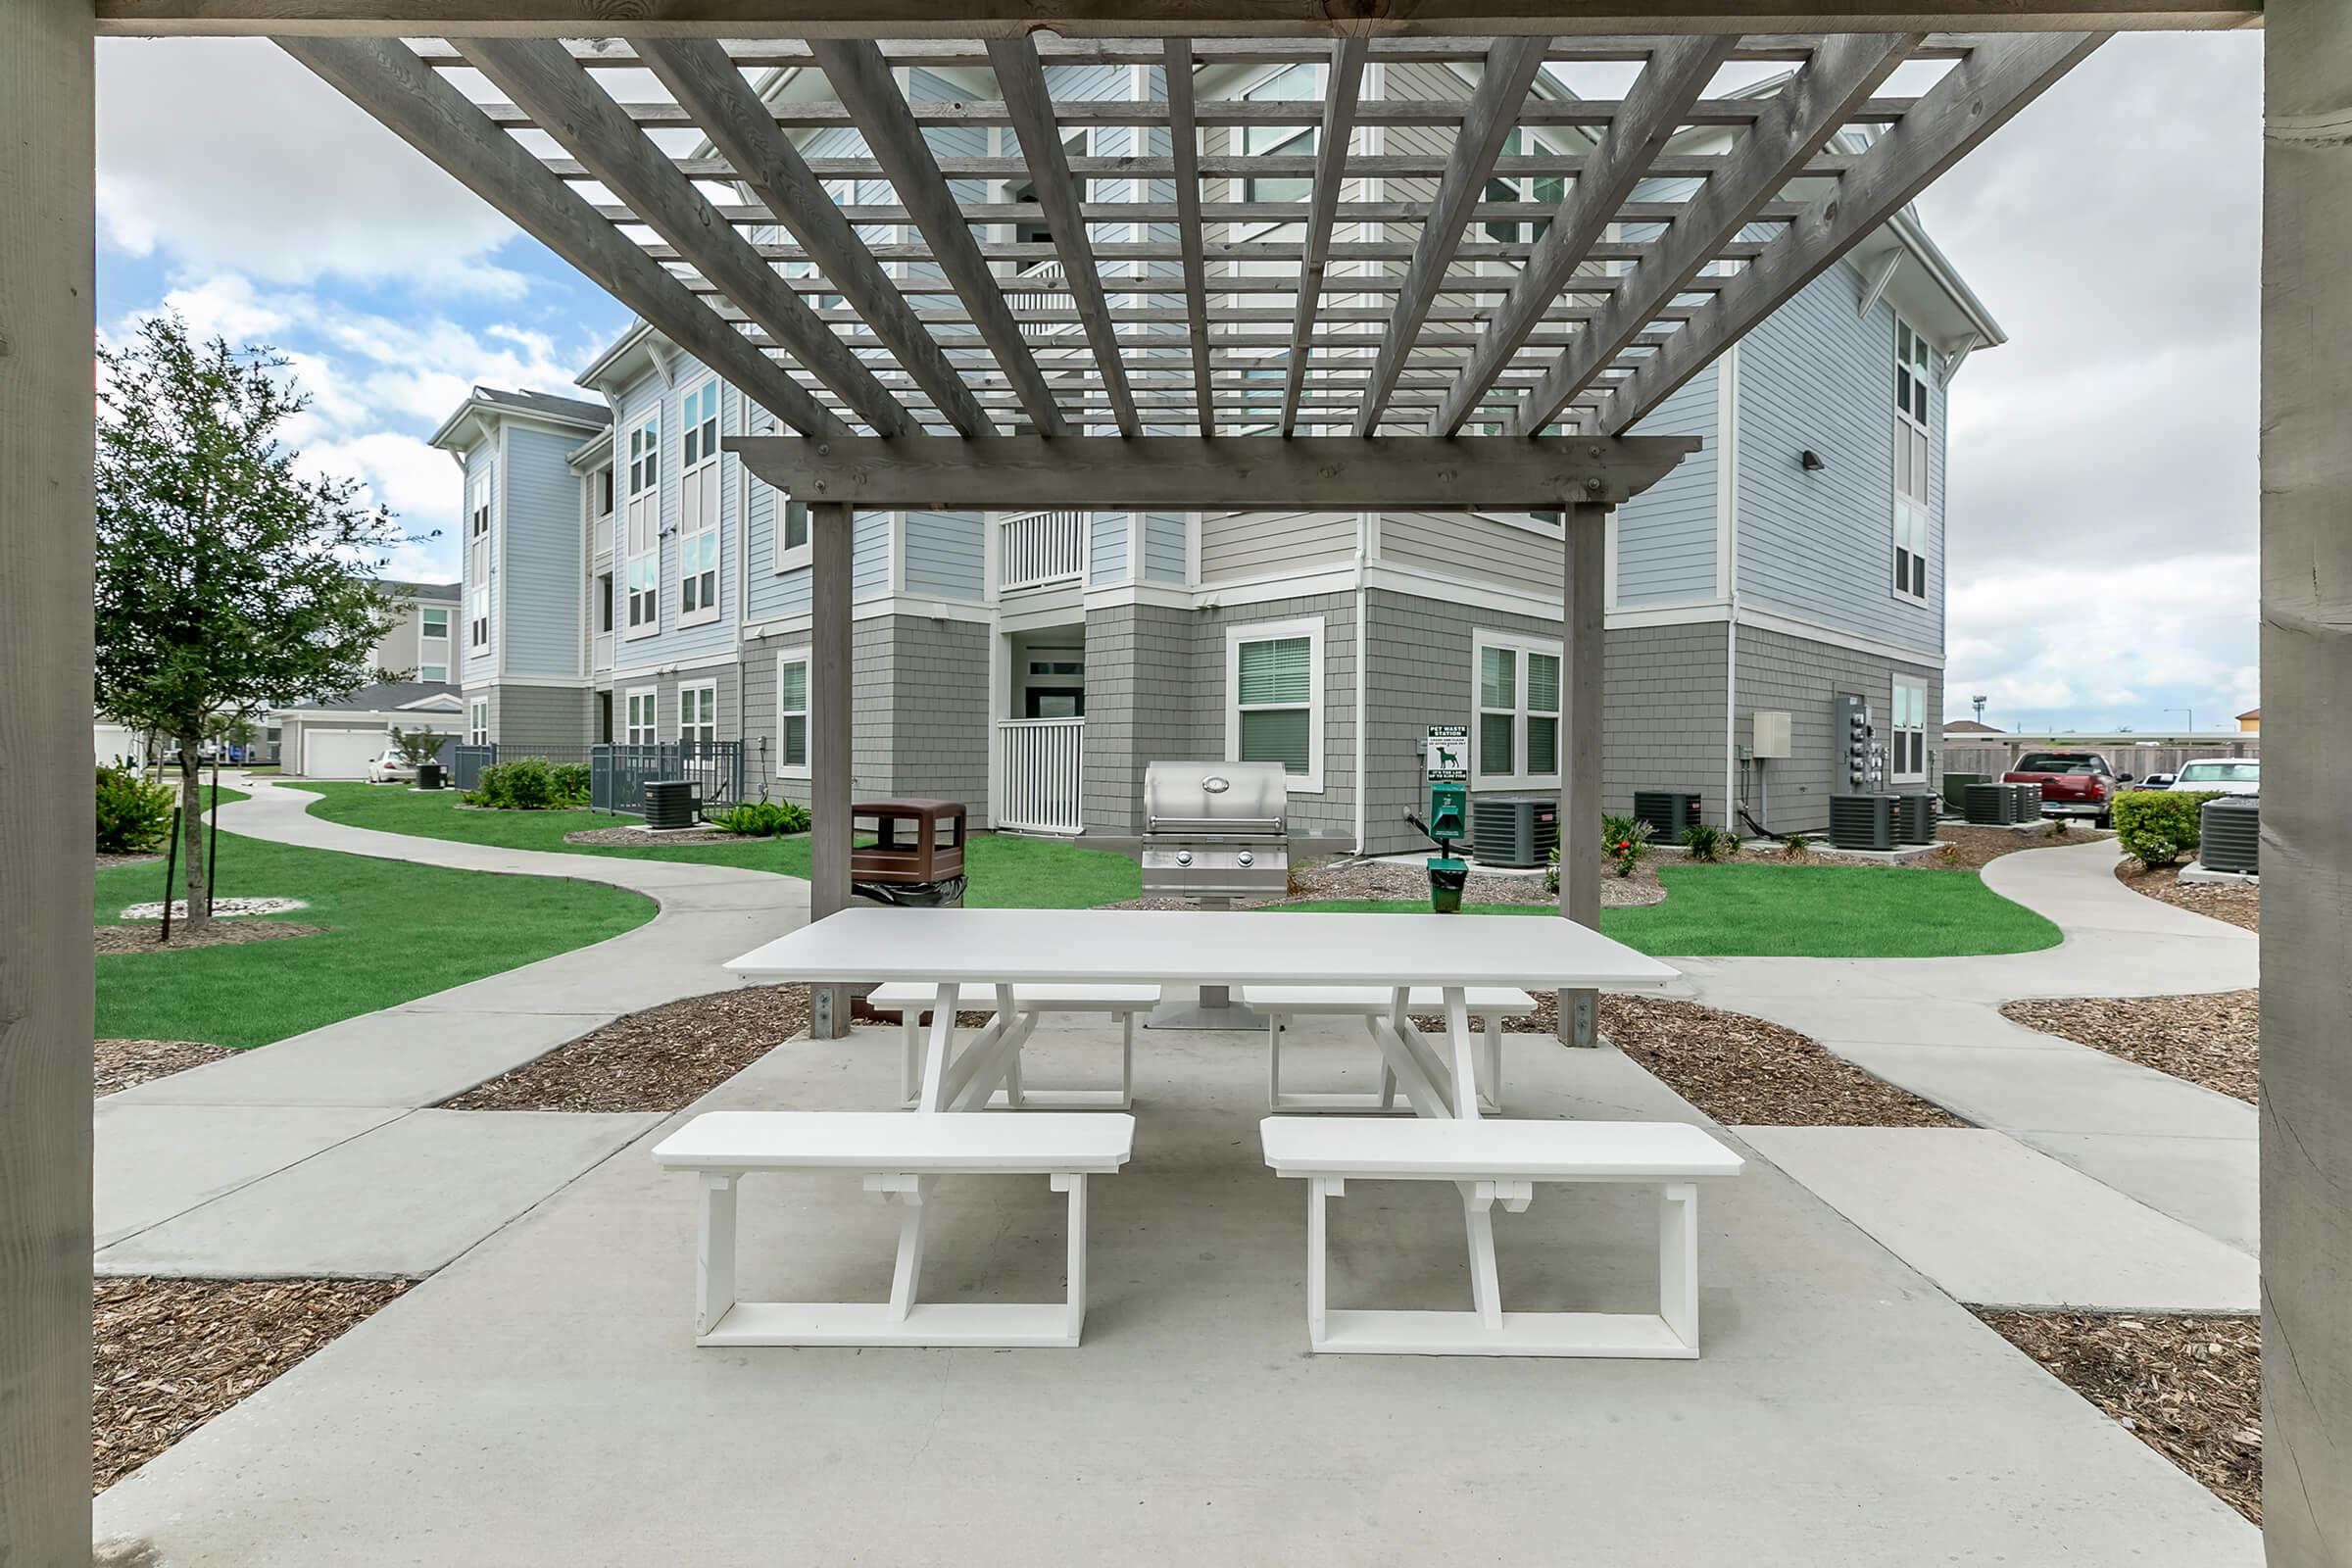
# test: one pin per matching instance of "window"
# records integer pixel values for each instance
(791, 714)
(603, 602)
(1274, 691)
(1911, 365)
(432, 672)
(2247, 773)
(644, 712)
(697, 506)
(698, 714)
(792, 533)
(1293, 83)
(604, 492)
(1907, 742)
(1518, 712)
(1548, 190)
(643, 528)
(477, 561)
(477, 723)
(433, 625)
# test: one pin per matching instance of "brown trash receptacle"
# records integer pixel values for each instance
(913, 840)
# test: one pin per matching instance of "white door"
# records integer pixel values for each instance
(342, 752)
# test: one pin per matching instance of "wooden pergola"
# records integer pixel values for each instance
(1173, 342)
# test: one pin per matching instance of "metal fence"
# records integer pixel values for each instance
(618, 773)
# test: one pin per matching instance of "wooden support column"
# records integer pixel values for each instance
(47, 274)
(2307, 752)
(1584, 616)
(829, 729)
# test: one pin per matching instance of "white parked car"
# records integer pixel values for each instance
(391, 768)
(2230, 775)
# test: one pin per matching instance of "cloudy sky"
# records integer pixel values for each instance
(2103, 481)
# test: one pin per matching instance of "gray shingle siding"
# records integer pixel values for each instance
(1800, 676)
(1662, 713)
(918, 725)
(522, 716)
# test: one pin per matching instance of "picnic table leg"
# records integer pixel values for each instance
(715, 1253)
(909, 1193)
(1486, 1288)
(1320, 1191)
(1417, 1068)
(1462, 1055)
(1074, 1184)
(1677, 1260)
(935, 1055)
(1493, 1062)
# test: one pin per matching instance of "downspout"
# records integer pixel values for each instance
(1727, 492)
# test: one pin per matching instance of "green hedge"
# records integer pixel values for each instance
(531, 784)
(2158, 826)
(134, 816)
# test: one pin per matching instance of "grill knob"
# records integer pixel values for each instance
(1184, 856)
(1247, 859)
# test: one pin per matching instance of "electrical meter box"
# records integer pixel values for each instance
(1857, 761)
(1771, 737)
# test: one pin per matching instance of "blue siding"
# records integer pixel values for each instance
(483, 666)
(1165, 546)
(673, 641)
(546, 554)
(869, 556)
(945, 555)
(1666, 535)
(1821, 545)
(1106, 548)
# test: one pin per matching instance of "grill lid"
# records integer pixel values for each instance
(1214, 796)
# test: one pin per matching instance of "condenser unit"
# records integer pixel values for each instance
(1991, 805)
(1668, 812)
(2229, 834)
(1514, 829)
(1862, 821)
(1915, 817)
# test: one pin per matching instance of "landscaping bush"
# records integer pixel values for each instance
(572, 783)
(1624, 840)
(526, 784)
(2157, 827)
(762, 819)
(1797, 845)
(133, 814)
(1708, 843)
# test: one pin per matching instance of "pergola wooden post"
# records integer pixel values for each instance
(1584, 626)
(831, 698)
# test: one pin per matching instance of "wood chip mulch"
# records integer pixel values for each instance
(2190, 1388)
(135, 858)
(1388, 881)
(217, 933)
(659, 1059)
(2240, 907)
(117, 1064)
(1741, 1071)
(2213, 1039)
(172, 1354)
(639, 838)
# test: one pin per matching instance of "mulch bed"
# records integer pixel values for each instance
(639, 838)
(2190, 1388)
(659, 1059)
(117, 1064)
(218, 934)
(2213, 1039)
(2240, 907)
(136, 858)
(1741, 1071)
(173, 1353)
(1387, 881)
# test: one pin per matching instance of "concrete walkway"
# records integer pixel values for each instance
(1934, 1026)
(315, 1155)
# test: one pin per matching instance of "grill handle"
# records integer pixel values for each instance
(1269, 825)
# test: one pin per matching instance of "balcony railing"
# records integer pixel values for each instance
(1041, 288)
(1042, 548)
(1041, 774)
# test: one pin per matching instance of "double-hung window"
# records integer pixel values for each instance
(477, 561)
(697, 506)
(642, 528)
(1911, 382)
(432, 642)
(698, 714)
(1274, 698)
(644, 715)
(1545, 190)
(1293, 83)
(1518, 711)
(792, 533)
(478, 721)
(791, 714)
(1907, 726)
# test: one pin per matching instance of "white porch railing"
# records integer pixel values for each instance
(1041, 548)
(1041, 774)
(1041, 288)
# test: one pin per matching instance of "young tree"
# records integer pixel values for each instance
(228, 583)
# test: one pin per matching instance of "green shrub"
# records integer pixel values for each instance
(2156, 827)
(1624, 840)
(762, 819)
(1708, 843)
(1551, 872)
(1797, 845)
(134, 816)
(526, 784)
(572, 783)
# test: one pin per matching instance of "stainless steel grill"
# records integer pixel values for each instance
(1215, 831)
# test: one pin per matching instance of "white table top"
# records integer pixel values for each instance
(1442, 1148)
(1199, 947)
(890, 1140)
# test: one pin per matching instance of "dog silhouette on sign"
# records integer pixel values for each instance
(1449, 757)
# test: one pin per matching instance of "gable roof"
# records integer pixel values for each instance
(390, 696)
(484, 404)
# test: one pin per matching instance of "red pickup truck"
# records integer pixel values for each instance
(2072, 783)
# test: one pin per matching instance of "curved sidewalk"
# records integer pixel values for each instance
(1934, 1026)
(316, 1154)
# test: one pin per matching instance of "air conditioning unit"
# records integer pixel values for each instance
(1914, 814)
(1514, 829)
(2230, 835)
(1668, 812)
(1991, 805)
(1862, 821)
(2028, 802)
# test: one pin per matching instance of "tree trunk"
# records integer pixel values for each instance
(191, 833)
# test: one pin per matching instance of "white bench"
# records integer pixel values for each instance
(1029, 1004)
(1502, 1161)
(1282, 1003)
(899, 1156)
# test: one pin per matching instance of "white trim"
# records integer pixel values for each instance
(478, 721)
(498, 548)
(883, 608)
(629, 726)
(1482, 638)
(802, 656)
(627, 629)
(1706, 612)
(1726, 469)
(714, 526)
(678, 731)
(1113, 595)
(1896, 685)
(1260, 631)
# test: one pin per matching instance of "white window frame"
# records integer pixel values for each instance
(641, 538)
(1482, 639)
(705, 695)
(424, 626)
(481, 495)
(1914, 452)
(699, 528)
(1906, 731)
(478, 721)
(1266, 632)
(805, 713)
(628, 711)
(790, 557)
(426, 672)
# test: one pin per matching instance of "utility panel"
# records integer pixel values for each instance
(1857, 759)
(1771, 735)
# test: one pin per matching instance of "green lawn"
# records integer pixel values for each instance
(1811, 911)
(396, 932)
(1006, 873)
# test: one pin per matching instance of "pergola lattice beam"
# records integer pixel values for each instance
(1185, 157)
(1975, 99)
(384, 78)
(699, 74)
(1662, 97)
(1805, 115)
(1343, 84)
